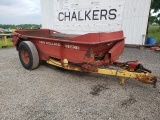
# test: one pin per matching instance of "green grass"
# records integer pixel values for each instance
(2, 43)
(154, 31)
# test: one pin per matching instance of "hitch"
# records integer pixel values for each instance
(147, 78)
(139, 72)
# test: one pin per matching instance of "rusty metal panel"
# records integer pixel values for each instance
(75, 49)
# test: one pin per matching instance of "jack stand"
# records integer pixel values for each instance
(122, 81)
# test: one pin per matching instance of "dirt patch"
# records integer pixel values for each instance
(97, 89)
(129, 101)
(39, 115)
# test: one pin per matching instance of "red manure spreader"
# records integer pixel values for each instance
(92, 52)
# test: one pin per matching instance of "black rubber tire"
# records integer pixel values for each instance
(31, 49)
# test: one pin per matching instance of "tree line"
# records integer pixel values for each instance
(21, 26)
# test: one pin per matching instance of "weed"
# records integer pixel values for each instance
(154, 31)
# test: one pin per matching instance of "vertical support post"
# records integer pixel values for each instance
(122, 80)
(5, 40)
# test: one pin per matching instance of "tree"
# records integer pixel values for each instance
(24, 26)
(156, 8)
(152, 19)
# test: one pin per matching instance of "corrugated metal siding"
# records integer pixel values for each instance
(53, 7)
(133, 21)
(47, 10)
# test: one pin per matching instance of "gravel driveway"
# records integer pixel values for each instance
(50, 93)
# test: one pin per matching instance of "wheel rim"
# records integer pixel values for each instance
(25, 56)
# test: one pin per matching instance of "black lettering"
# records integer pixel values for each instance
(67, 16)
(95, 14)
(112, 14)
(74, 16)
(103, 14)
(87, 15)
(79, 16)
(59, 16)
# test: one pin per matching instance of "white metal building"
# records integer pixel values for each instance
(84, 16)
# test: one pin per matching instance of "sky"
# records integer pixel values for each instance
(20, 12)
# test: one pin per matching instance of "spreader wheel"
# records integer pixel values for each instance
(28, 55)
